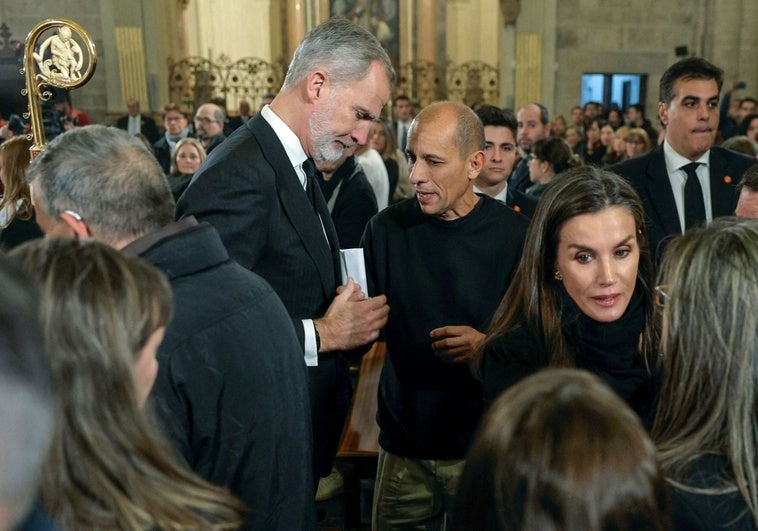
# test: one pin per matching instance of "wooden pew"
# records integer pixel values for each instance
(359, 447)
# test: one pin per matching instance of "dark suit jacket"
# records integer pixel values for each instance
(649, 176)
(354, 204)
(162, 152)
(248, 189)
(147, 127)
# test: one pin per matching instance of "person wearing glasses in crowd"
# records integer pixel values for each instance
(177, 128)
(582, 295)
(209, 125)
(705, 424)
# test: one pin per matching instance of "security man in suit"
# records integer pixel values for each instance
(687, 180)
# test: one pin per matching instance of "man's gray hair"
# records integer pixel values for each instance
(106, 176)
(342, 49)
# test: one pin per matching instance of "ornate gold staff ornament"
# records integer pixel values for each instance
(58, 63)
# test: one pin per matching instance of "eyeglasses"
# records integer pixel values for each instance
(174, 118)
(660, 296)
(204, 120)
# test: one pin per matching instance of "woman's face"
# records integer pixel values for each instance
(593, 133)
(378, 137)
(537, 169)
(598, 256)
(146, 366)
(187, 159)
(634, 146)
(572, 137)
(752, 132)
(606, 135)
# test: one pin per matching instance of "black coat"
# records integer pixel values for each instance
(649, 176)
(147, 127)
(248, 189)
(231, 385)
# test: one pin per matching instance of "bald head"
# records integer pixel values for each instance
(458, 120)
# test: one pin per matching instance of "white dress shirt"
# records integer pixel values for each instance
(678, 177)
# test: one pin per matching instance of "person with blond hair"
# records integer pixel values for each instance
(706, 424)
(103, 317)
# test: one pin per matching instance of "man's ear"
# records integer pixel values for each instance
(76, 224)
(663, 113)
(475, 164)
(318, 80)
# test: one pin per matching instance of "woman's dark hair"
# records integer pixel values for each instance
(532, 299)
(556, 152)
(561, 451)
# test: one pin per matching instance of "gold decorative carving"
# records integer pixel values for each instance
(195, 80)
(58, 63)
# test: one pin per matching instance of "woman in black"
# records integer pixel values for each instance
(582, 294)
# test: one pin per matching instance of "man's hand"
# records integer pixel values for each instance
(352, 320)
(455, 344)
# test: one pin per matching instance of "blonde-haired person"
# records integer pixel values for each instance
(616, 151)
(17, 219)
(637, 142)
(185, 161)
(103, 317)
(560, 450)
(383, 140)
(706, 426)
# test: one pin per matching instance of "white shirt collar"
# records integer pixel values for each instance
(291, 143)
(501, 196)
(675, 161)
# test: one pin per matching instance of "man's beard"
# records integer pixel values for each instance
(326, 147)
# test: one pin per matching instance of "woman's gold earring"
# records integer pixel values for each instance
(557, 275)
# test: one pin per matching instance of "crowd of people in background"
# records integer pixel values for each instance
(567, 306)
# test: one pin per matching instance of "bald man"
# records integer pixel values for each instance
(444, 259)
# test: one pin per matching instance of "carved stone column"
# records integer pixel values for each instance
(295, 25)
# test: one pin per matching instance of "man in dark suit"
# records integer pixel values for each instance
(499, 158)
(209, 125)
(402, 110)
(686, 180)
(533, 124)
(135, 122)
(259, 189)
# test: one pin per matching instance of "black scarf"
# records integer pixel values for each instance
(611, 350)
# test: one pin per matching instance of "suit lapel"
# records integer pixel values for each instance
(297, 207)
(660, 195)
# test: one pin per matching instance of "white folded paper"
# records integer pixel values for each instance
(352, 264)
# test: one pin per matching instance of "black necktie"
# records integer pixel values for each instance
(404, 138)
(309, 167)
(694, 206)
